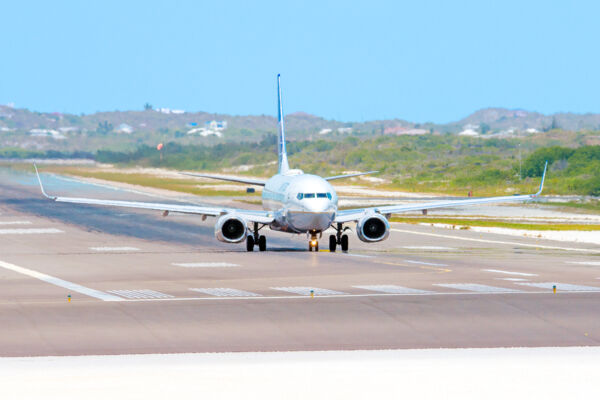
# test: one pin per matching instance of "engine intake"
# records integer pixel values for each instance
(373, 228)
(231, 229)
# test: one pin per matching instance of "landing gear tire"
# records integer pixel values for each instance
(344, 242)
(250, 243)
(332, 243)
(262, 243)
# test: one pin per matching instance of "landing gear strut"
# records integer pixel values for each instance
(313, 243)
(338, 239)
(256, 239)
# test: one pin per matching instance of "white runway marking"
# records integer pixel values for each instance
(29, 231)
(74, 287)
(427, 248)
(499, 271)
(225, 292)
(562, 286)
(356, 255)
(584, 262)
(114, 248)
(391, 289)
(305, 290)
(141, 294)
(539, 246)
(205, 265)
(15, 223)
(476, 287)
(425, 263)
(512, 279)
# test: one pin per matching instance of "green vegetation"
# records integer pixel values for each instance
(459, 223)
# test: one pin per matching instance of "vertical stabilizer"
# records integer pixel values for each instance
(283, 161)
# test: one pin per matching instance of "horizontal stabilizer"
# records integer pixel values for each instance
(332, 178)
(247, 181)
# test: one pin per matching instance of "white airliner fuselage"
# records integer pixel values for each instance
(300, 202)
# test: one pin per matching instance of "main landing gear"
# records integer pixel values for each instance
(338, 239)
(256, 240)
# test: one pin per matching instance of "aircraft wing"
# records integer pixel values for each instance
(263, 217)
(357, 213)
(248, 181)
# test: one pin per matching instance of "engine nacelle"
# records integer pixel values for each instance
(231, 228)
(373, 228)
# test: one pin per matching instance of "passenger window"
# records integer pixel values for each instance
(321, 195)
(309, 195)
(299, 196)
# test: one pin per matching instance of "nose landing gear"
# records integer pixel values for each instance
(313, 243)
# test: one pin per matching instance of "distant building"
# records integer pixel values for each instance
(165, 110)
(324, 131)
(54, 134)
(215, 125)
(124, 128)
(204, 132)
(67, 129)
(400, 130)
(344, 130)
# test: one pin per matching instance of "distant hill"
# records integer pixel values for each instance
(127, 129)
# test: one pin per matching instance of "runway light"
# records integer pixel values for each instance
(69, 298)
(554, 288)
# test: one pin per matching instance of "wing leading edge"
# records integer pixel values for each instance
(357, 213)
(262, 217)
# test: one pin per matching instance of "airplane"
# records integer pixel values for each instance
(295, 202)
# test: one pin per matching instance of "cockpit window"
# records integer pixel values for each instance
(329, 195)
(300, 196)
(321, 195)
(309, 195)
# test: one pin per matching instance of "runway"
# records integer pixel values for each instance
(141, 283)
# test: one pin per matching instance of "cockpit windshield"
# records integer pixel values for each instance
(314, 195)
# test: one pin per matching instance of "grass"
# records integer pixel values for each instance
(592, 205)
(497, 224)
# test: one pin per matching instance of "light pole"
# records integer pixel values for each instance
(520, 161)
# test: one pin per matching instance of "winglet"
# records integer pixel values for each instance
(542, 182)
(42, 186)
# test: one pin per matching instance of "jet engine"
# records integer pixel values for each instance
(231, 229)
(373, 228)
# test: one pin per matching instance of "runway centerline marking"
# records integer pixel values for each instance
(539, 246)
(584, 262)
(512, 279)
(74, 287)
(439, 270)
(499, 271)
(205, 265)
(561, 286)
(114, 248)
(476, 287)
(225, 292)
(425, 263)
(427, 248)
(29, 231)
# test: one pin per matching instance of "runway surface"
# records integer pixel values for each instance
(141, 283)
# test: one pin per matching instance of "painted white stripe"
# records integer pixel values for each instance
(427, 248)
(539, 246)
(74, 287)
(15, 223)
(29, 231)
(584, 262)
(305, 290)
(141, 294)
(356, 255)
(499, 271)
(114, 248)
(476, 287)
(225, 292)
(425, 263)
(390, 289)
(567, 287)
(205, 265)
(512, 279)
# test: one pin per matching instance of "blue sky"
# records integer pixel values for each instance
(418, 60)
